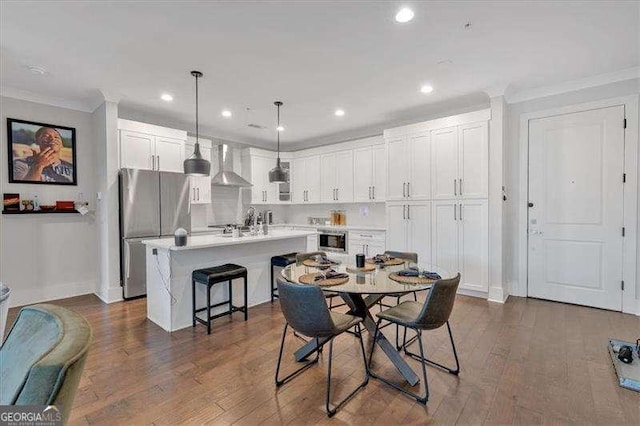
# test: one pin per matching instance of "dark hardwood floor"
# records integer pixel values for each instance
(525, 362)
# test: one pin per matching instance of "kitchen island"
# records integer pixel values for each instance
(169, 271)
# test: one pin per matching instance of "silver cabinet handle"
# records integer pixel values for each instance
(409, 212)
(153, 162)
(460, 186)
(404, 212)
(369, 192)
(158, 165)
(374, 192)
(337, 194)
(409, 189)
(198, 190)
(455, 187)
(461, 210)
(404, 189)
(455, 213)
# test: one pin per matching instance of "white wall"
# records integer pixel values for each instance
(512, 157)
(49, 256)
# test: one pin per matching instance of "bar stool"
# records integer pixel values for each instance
(280, 261)
(211, 276)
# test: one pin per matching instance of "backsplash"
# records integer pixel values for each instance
(364, 214)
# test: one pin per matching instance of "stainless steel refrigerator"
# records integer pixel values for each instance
(152, 205)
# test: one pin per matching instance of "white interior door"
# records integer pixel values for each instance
(576, 216)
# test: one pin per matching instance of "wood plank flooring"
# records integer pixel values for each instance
(525, 362)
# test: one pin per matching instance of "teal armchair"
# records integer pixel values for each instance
(43, 356)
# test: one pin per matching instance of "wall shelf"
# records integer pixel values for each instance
(40, 212)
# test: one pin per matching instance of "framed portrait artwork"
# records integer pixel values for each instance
(41, 153)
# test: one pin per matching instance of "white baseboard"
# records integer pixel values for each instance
(498, 295)
(113, 294)
(472, 293)
(21, 297)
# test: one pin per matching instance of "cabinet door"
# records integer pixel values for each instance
(312, 243)
(328, 181)
(396, 237)
(444, 163)
(419, 230)
(444, 236)
(420, 160)
(200, 191)
(344, 174)
(298, 178)
(474, 161)
(357, 247)
(398, 172)
(474, 244)
(363, 174)
(169, 154)
(312, 178)
(259, 174)
(136, 150)
(374, 247)
(379, 180)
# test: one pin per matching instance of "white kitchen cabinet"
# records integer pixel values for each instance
(149, 147)
(336, 177)
(306, 180)
(369, 177)
(409, 228)
(460, 240)
(262, 191)
(200, 189)
(408, 165)
(460, 162)
(369, 243)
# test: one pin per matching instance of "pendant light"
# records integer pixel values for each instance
(278, 174)
(196, 165)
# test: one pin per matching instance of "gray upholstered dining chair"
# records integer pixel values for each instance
(433, 314)
(43, 357)
(409, 256)
(306, 312)
(300, 257)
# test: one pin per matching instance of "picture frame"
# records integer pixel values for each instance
(41, 153)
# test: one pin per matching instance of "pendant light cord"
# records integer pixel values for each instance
(278, 130)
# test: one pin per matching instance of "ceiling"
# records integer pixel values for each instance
(315, 56)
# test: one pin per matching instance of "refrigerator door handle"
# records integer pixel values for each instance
(127, 263)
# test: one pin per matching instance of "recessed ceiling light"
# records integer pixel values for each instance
(226, 113)
(166, 97)
(426, 89)
(37, 70)
(404, 15)
(280, 128)
(339, 112)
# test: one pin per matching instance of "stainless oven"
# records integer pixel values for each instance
(332, 240)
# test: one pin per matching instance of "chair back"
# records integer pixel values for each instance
(406, 255)
(308, 255)
(439, 304)
(305, 309)
(43, 357)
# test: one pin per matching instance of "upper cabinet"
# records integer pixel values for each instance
(256, 164)
(460, 162)
(149, 147)
(306, 180)
(200, 185)
(336, 177)
(408, 162)
(369, 178)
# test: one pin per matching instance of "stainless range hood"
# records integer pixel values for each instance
(226, 176)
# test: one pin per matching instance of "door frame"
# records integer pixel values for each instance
(631, 264)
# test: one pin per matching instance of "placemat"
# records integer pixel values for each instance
(366, 268)
(314, 264)
(391, 262)
(410, 280)
(310, 279)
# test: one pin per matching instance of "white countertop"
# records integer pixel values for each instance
(345, 227)
(207, 241)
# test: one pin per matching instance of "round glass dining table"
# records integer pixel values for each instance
(362, 291)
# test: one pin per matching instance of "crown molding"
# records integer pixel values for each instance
(26, 95)
(574, 85)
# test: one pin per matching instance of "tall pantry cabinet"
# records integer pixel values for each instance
(437, 199)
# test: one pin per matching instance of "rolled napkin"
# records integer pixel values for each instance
(414, 272)
(329, 275)
(323, 260)
(381, 258)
